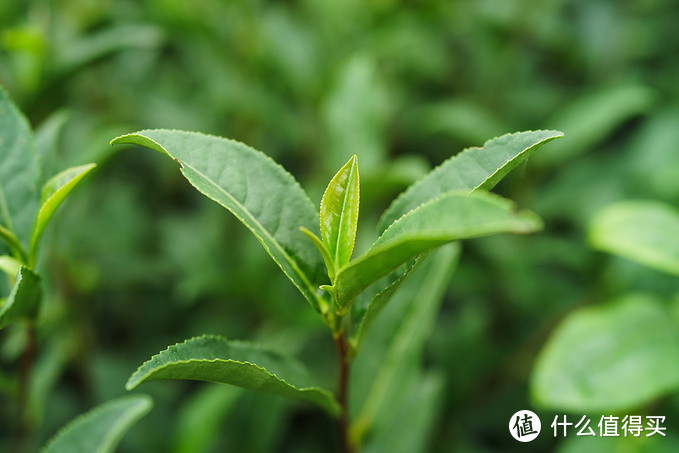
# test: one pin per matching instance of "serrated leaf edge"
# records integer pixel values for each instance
(332, 407)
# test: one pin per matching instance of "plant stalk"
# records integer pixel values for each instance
(25, 371)
(343, 388)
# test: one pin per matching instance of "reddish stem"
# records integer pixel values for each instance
(343, 421)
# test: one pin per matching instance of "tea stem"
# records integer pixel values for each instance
(343, 389)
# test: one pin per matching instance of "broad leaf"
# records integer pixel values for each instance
(451, 217)
(214, 359)
(19, 171)
(472, 169)
(613, 357)
(23, 300)
(259, 192)
(643, 231)
(398, 338)
(101, 429)
(339, 213)
(53, 194)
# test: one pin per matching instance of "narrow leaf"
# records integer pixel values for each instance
(214, 359)
(399, 338)
(452, 217)
(643, 231)
(339, 213)
(471, 169)
(53, 194)
(613, 357)
(259, 192)
(378, 302)
(23, 300)
(13, 242)
(101, 429)
(19, 171)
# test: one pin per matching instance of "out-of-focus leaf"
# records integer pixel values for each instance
(472, 169)
(339, 213)
(619, 444)
(356, 113)
(200, 419)
(412, 324)
(104, 42)
(593, 117)
(19, 171)
(53, 194)
(409, 426)
(23, 300)
(47, 140)
(214, 359)
(259, 192)
(612, 357)
(101, 429)
(463, 120)
(9, 265)
(451, 217)
(643, 231)
(46, 372)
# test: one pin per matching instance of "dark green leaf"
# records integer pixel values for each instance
(259, 192)
(214, 359)
(472, 169)
(100, 430)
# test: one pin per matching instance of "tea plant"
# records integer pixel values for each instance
(24, 215)
(314, 250)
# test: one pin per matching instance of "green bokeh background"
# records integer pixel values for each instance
(137, 260)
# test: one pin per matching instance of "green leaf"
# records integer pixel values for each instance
(378, 302)
(399, 337)
(23, 300)
(214, 359)
(200, 421)
(472, 169)
(259, 192)
(14, 244)
(408, 428)
(53, 194)
(610, 358)
(101, 429)
(451, 217)
(19, 171)
(339, 213)
(643, 231)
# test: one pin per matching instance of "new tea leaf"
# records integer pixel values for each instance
(643, 231)
(451, 217)
(101, 429)
(471, 169)
(214, 359)
(53, 194)
(339, 213)
(23, 300)
(259, 192)
(19, 171)
(612, 357)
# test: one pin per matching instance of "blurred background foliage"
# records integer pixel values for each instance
(139, 260)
